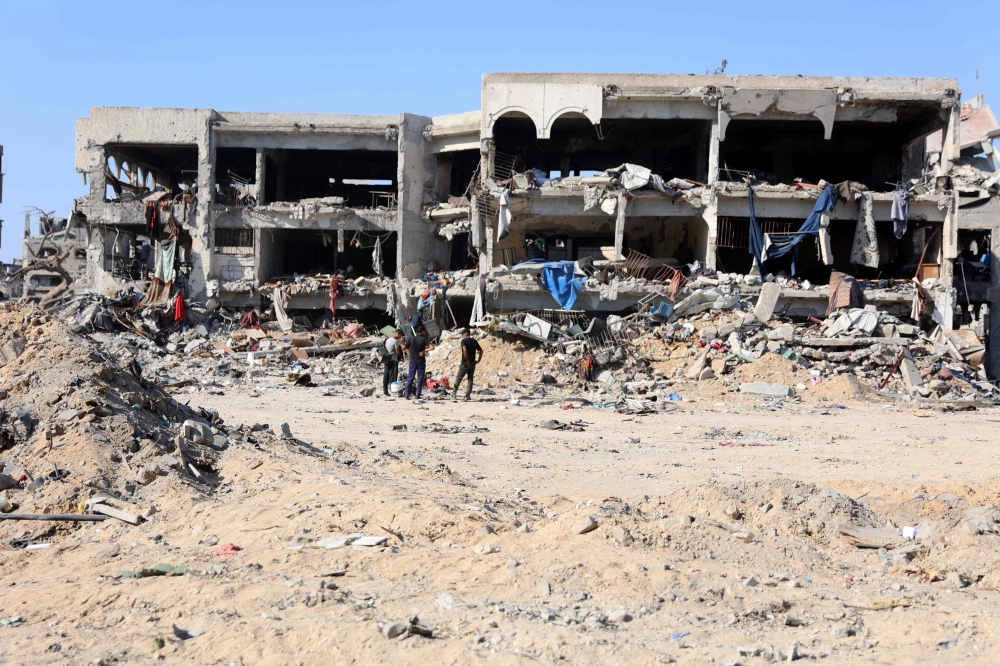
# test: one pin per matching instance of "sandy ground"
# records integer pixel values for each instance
(481, 547)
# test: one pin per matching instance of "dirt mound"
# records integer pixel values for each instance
(519, 360)
(75, 420)
(773, 369)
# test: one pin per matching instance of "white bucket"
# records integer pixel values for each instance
(396, 388)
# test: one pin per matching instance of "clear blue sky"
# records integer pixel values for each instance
(59, 59)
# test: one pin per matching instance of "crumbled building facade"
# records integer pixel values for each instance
(644, 177)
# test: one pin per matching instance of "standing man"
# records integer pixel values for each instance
(416, 351)
(472, 354)
(390, 359)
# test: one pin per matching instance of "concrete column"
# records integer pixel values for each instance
(261, 175)
(416, 178)
(711, 216)
(993, 295)
(202, 235)
(951, 140)
(490, 235)
(476, 222)
(949, 240)
(99, 176)
(620, 225)
(713, 152)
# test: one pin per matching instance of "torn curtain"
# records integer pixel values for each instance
(865, 248)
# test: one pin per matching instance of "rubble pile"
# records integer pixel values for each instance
(716, 334)
(79, 418)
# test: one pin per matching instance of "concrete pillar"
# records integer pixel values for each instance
(416, 178)
(713, 152)
(620, 225)
(476, 222)
(261, 175)
(99, 176)
(490, 236)
(711, 216)
(951, 140)
(202, 235)
(949, 239)
(993, 344)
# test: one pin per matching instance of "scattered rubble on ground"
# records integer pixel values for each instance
(177, 507)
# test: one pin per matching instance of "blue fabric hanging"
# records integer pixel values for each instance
(782, 244)
(559, 278)
(756, 243)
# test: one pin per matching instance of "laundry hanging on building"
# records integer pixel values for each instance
(377, 257)
(279, 309)
(504, 217)
(163, 274)
(900, 212)
(864, 251)
(336, 289)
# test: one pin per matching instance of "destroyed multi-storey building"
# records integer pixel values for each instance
(642, 177)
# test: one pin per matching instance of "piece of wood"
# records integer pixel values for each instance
(123, 516)
(891, 371)
(51, 516)
(883, 604)
(851, 342)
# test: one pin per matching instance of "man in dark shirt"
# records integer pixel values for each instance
(416, 351)
(472, 353)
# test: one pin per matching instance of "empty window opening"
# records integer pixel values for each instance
(670, 148)
(286, 252)
(236, 176)
(877, 155)
(455, 171)
(45, 280)
(463, 253)
(128, 255)
(134, 170)
(973, 261)
(358, 176)
(234, 241)
(670, 241)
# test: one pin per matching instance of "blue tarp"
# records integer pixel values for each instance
(558, 277)
(782, 244)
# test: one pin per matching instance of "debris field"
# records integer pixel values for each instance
(194, 506)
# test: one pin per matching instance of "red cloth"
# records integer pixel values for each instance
(335, 290)
(179, 308)
(250, 320)
(228, 550)
(432, 384)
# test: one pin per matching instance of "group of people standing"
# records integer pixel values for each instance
(414, 349)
